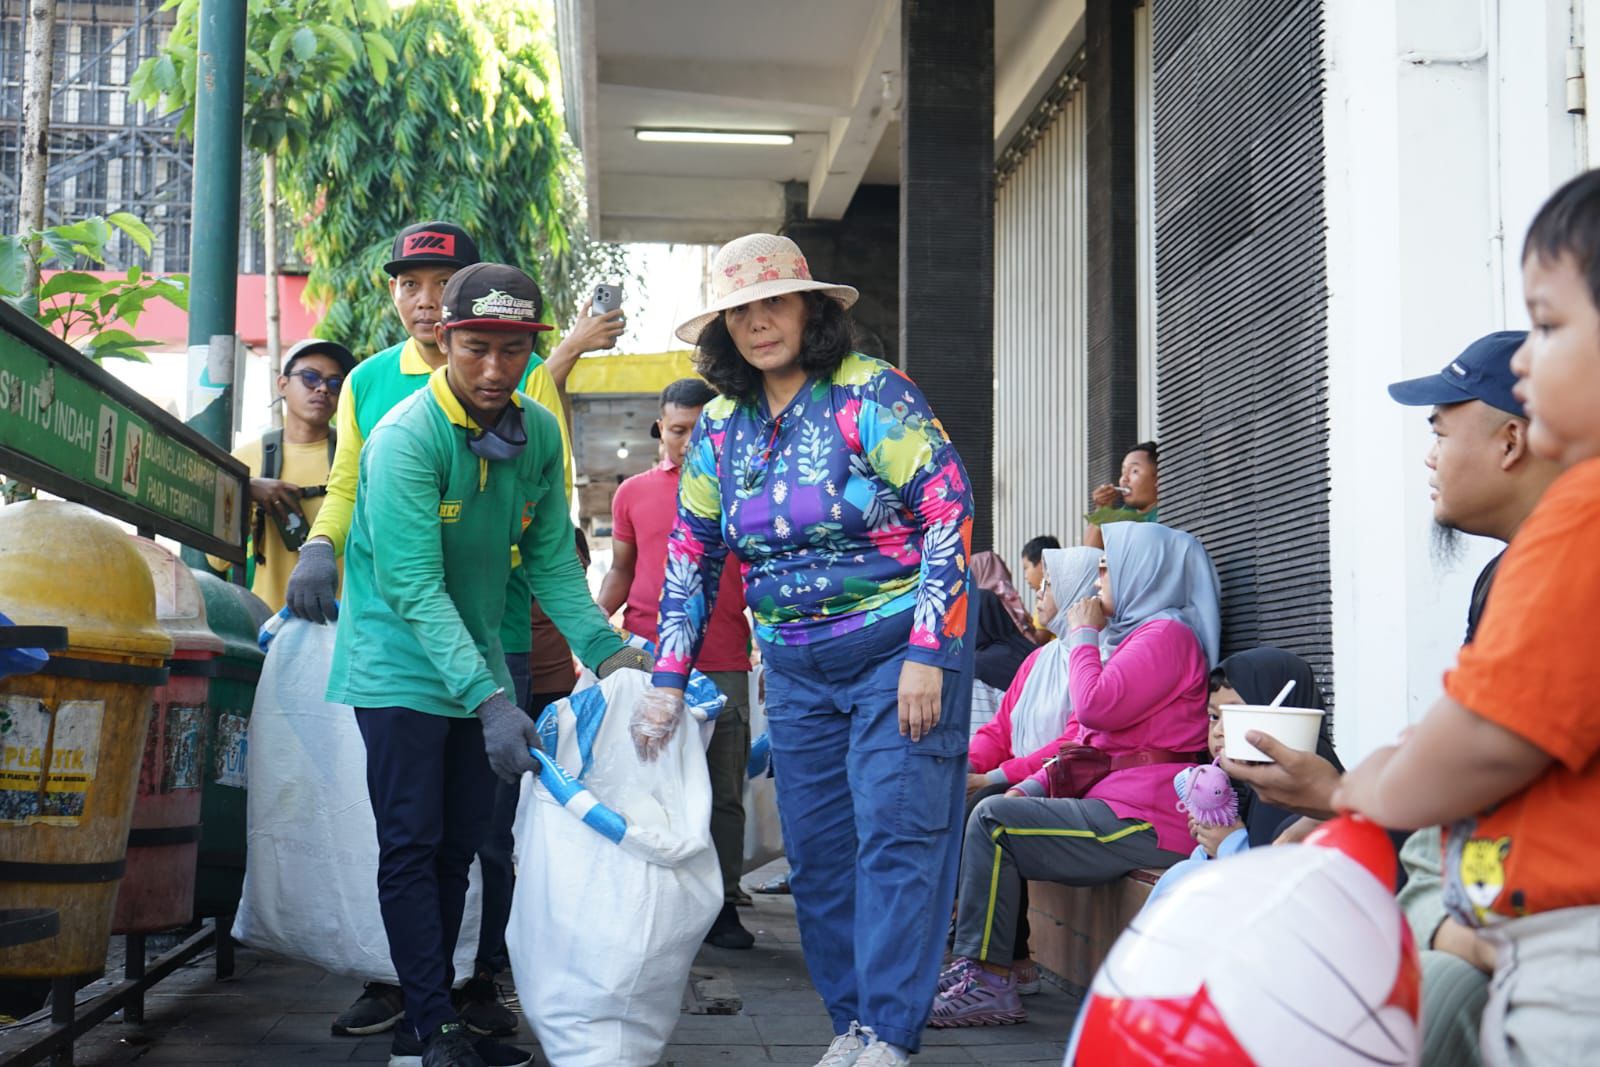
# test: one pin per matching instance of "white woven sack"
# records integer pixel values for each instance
(617, 881)
(763, 834)
(311, 867)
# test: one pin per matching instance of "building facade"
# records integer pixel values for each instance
(1226, 224)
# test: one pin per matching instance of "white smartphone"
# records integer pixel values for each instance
(607, 298)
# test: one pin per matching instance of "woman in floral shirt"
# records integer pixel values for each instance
(849, 514)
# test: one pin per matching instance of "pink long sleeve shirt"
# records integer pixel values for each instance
(990, 747)
(1151, 693)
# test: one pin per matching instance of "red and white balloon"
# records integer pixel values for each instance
(1296, 955)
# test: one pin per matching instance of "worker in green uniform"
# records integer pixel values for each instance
(453, 479)
(423, 258)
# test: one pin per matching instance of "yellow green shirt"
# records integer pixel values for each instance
(303, 465)
(378, 383)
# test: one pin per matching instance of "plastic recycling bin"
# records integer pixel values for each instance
(234, 615)
(72, 734)
(158, 889)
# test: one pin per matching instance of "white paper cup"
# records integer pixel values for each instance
(1294, 727)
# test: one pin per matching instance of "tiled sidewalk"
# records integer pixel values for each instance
(273, 1012)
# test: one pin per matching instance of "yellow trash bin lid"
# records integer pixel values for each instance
(63, 564)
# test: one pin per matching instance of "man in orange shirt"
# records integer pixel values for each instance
(1506, 759)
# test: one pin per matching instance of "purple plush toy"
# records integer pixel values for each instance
(1205, 793)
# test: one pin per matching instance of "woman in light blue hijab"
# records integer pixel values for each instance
(1143, 710)
(1164, 574)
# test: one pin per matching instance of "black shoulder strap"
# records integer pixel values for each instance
(333, 444)
(272, 453)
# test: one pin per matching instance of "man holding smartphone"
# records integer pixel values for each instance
(599, 324)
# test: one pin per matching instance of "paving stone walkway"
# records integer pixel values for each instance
(274, 1012)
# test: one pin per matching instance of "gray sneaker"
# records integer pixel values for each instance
(378, 1008)
(478, 1004)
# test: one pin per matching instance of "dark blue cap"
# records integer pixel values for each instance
(1481, 372)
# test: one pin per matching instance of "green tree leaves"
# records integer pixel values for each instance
(295, 51)
(380, 118)
(455, 120)
(79, 306)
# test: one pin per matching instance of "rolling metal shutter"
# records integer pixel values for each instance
(1041, 333)
(1241, 291)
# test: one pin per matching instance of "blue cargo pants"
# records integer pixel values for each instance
(871, 822)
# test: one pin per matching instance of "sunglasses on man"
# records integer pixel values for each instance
(311, 379)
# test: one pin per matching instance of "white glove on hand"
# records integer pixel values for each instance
(655, 716)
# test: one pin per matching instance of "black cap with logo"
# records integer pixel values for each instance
(492, 296)
(431, 244)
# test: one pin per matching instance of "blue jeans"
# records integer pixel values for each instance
(432, 792)
(494, 858)
(871, 822)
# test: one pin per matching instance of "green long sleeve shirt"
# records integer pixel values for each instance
(428, 560)
(371, 391)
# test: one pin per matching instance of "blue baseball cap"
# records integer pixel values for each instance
(1481, 372)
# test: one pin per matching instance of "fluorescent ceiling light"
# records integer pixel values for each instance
(713, 137)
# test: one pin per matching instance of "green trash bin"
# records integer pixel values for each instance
(232, 613)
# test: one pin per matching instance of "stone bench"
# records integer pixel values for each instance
(1074, 927)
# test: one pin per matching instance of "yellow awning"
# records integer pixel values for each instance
(639, 373)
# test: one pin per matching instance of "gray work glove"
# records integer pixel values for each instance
(508, 734)
(627, 657)
(314, 583)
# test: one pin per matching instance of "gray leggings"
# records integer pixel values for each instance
(1010, 839)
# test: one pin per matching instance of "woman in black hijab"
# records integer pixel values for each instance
(1001, 646)
(1254, 677)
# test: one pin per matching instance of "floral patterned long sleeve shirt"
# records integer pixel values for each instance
(849, 507)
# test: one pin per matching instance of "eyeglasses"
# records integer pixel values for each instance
(756, 472)
(311, 379)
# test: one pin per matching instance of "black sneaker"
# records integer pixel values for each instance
(378, 1008)
(478, 1004)
(729, 932)
(406, 1051)
(450, 1046)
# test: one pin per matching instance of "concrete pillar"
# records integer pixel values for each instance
(1112, 404)
(947, 228)
(861, 249)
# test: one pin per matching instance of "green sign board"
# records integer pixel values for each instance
(70, 428)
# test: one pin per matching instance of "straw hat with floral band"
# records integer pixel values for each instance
(754, 267)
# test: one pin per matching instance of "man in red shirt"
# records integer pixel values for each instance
(642, 514)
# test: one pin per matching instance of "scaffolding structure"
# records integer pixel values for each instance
(108, 152)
